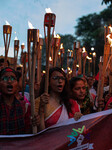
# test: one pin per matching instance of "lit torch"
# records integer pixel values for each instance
(84, 54)
(32, 40)
(7, 30)
(39, 56)
(49, 22)
(16, 50)
(94, 57)
(56, 40)
(89, 62)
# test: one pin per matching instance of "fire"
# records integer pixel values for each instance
(59, 53)
(40, 35)
(77, 66)
(61, 46)
(22, 44)
(83, 50)
(94, 54)
(89, 58)
(62, 69)
(16, 38)
(30, 25)
(110, 29)
(48, 10)
(7, 23)
(109, 39)
(50, 59)
(68, 50)
(92, 48)
(44, 71)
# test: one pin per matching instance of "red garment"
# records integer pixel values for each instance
(75, 108)
(97, 76)
(53, 119)
(14, 119)
(109, 101)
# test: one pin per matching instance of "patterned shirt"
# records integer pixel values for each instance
(14, 119)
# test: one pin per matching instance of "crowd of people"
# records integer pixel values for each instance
(65, 99)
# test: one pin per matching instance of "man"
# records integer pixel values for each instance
(15, 117)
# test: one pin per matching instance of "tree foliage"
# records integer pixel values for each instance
(107, 2)
(67, 41)
(90, 30)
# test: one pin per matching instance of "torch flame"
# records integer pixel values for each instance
(109, 39)
(59, 53)
(40, 35)
(63, 69)
(44, 71)
(48, 10)
(68, 50)
(77, 66)
(50, 59)
(69, 68)
(94, 54)
(7, 23)
(61, 46)
(110, 29)
(16, 38)
(89, 58)
(30, 25)
(56, 35)
(83, 50)
(22, 44)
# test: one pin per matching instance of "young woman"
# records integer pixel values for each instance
(79, 93)
(14, 117)
(55, 107)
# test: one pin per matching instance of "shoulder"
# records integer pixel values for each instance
(73, 102)
(75, 106)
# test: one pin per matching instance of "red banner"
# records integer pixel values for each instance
(95, 133)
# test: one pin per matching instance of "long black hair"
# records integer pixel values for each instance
(64, 94)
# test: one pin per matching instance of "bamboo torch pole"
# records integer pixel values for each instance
(22, 48)
(84, 54)
(105, 60)
(68, 59)
(110, 71)
(100, 76)
(39, 57)
(110, 74)
(49, 22)
(23, 62)
(7, 30)
(24, 72)
(16, 50)
(57, 39)
(33, 38)
(74, 61)
(79, 58)
(94, 58)
(62, 54)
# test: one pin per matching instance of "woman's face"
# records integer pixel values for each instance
(57, 82)
(8, 83)
(79, 90)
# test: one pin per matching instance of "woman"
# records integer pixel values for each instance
(55, 107)
(79, 93)
(14, 117)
